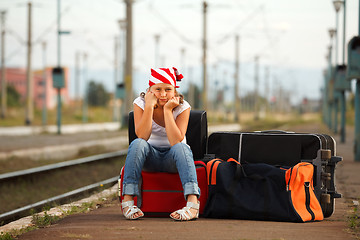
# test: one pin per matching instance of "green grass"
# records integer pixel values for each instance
(69, 115)
(354, 221)
(41, 221)
(350, 118)
(272, 122)
(85, 207)
(14, 233)
(45, 219)
(6, 236)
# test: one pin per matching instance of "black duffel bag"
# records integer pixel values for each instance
(261, 192)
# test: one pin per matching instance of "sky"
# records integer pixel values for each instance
(290, 37)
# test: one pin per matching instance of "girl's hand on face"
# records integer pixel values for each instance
(150, 98)
(172, 103)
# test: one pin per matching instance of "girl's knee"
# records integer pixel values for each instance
(181, 150)
(179, 146)
(138, 148)
(138, 143)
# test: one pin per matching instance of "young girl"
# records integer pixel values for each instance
(161, 118)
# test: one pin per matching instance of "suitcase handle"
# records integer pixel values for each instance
(275, 131)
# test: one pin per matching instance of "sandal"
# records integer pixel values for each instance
(132, 209)
(185, 213)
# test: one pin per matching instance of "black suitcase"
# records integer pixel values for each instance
(280, 148)
(196, 133)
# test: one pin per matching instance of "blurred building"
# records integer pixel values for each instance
(310, 105)
(16, 77)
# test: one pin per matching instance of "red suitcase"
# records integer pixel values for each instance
(162, 193)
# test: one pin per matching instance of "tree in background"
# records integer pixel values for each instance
(97, 95)
(13, 97)
(194, 98)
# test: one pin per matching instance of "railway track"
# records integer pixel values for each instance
(47, 172)
(49, 169)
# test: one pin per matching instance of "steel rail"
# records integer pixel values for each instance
(59, 165)
(16, 213)
(23, 211)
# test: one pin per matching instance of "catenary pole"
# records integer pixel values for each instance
(3, 69)
(44, 110)
(29, 114)
(58, 115)
(342, 93)
(357, 108)
(236, 78)
(77, 79)
(204, 60)
(116, 74)
(256, 89)
(157, 53)
(129, 60)
(86, 90)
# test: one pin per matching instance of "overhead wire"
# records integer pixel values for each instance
(24, 42)
(15, 35)
(13, 54)
(99, 51)
(171, 26)
(19, 39)
(51, 27)
(228, 35)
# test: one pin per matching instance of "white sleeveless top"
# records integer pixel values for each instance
(158, 137)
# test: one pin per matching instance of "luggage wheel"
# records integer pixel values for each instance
(325, 154)
(325, 198)
(326, 176)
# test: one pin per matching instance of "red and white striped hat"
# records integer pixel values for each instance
(165, 75)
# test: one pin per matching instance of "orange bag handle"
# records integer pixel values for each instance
(233, 160)
(211, 168)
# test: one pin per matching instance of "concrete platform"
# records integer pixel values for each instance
(107, 221)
